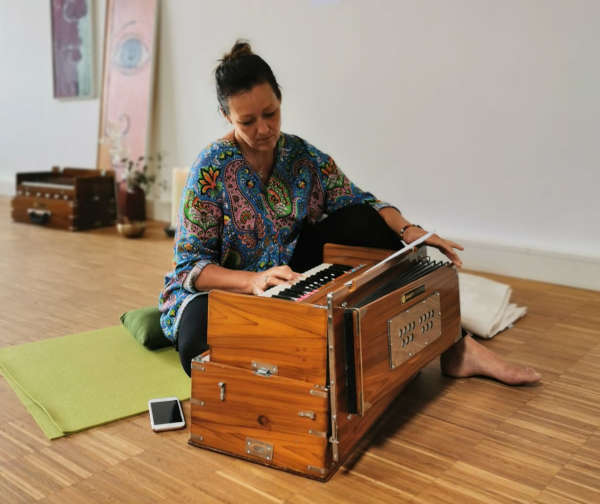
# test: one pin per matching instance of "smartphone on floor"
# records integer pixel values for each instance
(166, 414)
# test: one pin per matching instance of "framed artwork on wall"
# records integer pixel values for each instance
(127, 81)
(72, 48)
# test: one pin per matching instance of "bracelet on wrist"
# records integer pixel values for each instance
(405, 227)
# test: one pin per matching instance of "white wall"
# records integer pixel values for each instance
(37, 131)
(478, 118)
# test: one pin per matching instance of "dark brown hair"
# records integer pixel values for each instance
(241, 70)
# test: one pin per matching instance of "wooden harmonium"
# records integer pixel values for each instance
(296, 383)
(67, 198)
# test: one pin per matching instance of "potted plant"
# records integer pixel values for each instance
(137, 178)
(134, 178)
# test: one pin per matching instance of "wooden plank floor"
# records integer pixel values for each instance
(446, 441)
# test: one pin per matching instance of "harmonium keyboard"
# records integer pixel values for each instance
(294, 379)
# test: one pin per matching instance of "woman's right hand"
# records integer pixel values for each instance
(262, 280)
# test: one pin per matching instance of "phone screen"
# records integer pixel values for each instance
(164, 412)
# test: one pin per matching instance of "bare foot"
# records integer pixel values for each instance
(469, 358)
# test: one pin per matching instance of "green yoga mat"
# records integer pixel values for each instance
(78, 381)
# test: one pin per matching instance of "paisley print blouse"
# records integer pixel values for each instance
(229, 217)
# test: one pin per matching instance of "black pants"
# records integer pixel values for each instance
(358, 225)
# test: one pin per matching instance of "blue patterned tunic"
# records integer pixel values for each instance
(229, 217)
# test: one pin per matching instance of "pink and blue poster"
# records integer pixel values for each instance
(127, 83)
(72, 48)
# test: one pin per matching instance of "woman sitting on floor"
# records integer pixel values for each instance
(257, 207)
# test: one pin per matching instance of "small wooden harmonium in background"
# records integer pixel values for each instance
(65, 198)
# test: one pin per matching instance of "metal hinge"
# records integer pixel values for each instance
(319, 391)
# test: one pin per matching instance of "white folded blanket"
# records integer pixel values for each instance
(484, 305)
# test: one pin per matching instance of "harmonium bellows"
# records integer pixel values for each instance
(295, 379)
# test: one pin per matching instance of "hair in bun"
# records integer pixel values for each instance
(240, 48)
(240, 70)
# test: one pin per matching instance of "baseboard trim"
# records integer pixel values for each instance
(159, 210)
(546, 266)
(7, 186)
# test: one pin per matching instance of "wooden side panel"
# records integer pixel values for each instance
(353, 256)
(374, 355)
(289, 335)
(384, 384)
(94, 188)
(60, 211)
(232, 407)
(66, 214)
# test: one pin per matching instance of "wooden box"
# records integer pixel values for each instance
(69, 198)
(297, 385)
(275, 420)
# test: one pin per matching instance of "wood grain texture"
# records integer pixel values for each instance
(442, 441)
(353, 256)
(275, 410)
(243, 329)
(371, 342)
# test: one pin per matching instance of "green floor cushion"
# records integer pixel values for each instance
(144, 325)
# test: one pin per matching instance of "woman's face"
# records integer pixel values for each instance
(256, 118)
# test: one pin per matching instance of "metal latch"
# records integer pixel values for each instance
(221, 386)
(262, 369)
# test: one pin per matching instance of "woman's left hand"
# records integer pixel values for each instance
(445, 246)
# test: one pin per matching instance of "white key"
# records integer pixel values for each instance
(278, 288)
